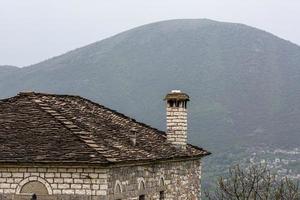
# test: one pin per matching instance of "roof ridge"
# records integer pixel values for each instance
(83, 135)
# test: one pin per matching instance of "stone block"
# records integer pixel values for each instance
(68, 180)
(6, 174)
(49, 175)
(76, 186)
(58, 180)
(62, 170)
(75, 175)
(4, 185)
(93, 175)
(41, 169)
(68, 191)
(80, 192)
(89, 170)
(77, 180)
(86, 186)
(51, 170)
(56, 191)
(101, 192)
(8, 191)
(31, 169)
(65, 175)
(63, 186)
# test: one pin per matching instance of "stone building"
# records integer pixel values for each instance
(62, 147)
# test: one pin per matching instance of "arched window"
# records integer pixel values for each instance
(162, 182)
(118, 188)
(142, 188)
(34, 185)
(162, 194)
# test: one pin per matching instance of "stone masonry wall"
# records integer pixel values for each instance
(59, 182)
(177, 125)
(178, 180)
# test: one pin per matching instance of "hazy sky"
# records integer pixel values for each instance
(34, 30)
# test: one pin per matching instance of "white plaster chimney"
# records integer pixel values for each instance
(177, 118)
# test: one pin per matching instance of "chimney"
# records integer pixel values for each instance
(177, 118)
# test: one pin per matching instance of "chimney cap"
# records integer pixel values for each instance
(175, 91)
(177, 95)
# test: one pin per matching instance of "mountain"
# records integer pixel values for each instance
(7, 69)
(243, 82)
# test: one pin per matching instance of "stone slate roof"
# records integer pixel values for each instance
(48, 128)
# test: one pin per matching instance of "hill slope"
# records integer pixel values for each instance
(7, 70)
(244, 82)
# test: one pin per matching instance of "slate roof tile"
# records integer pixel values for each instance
(49, 128)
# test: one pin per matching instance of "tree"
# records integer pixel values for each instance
(254, 183)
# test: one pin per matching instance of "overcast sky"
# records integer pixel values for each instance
(34, 30)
